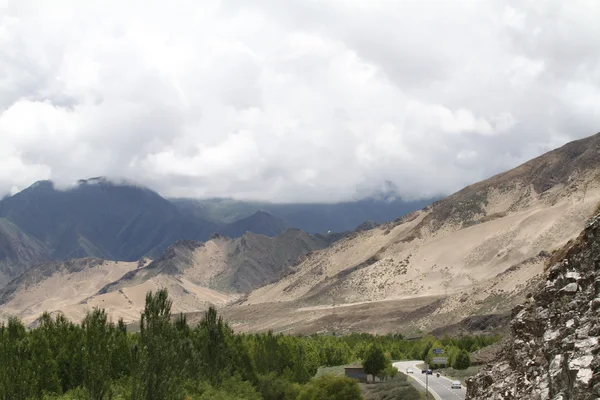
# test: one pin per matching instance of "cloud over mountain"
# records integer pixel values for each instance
(295, 100)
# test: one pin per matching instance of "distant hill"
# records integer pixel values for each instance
(120, 221)
(102, 219)
(260, 222)
(195, 273)
(311, 218)
(229, 265)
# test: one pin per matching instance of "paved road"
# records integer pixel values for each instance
(439, 386)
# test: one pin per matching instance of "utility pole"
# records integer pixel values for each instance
(426, 380)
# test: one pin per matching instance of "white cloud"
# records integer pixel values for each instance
(295, 100)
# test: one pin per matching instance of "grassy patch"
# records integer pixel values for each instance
(398, 388)
(337, 371)
(490, 304)
(461, 375)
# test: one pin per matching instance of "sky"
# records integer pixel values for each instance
(292, 101)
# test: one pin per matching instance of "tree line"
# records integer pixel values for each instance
(168, 359)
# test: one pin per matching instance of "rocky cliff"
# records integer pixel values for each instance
(554, 351)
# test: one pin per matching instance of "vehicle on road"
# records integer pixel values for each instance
(410, 371)
(429, 372)
(456, 385)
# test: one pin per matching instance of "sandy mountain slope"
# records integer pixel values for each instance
(229, 265)
(196, 274)
(77, 286)
(476, 252)
(55, 285)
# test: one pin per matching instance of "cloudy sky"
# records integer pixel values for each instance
(294, 100)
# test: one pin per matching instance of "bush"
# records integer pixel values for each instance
(399, 388)
(463, 361)
(391, 371)
(331, 387)
(272, 387)
(75, 394)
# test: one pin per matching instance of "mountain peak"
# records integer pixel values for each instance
(261, 222)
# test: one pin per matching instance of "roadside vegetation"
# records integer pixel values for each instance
(462, 375)
(168, 359)
(399, 388)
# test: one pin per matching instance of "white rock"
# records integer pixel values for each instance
(584, 331)
(586, 344)
(581, 362)
(544, 391)
(570, 323)
(556, 365)
(570, 288)
(550, 335)
(584, 375)
(573, 275)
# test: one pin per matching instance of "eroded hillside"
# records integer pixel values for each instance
(197, 274)
(476, 252)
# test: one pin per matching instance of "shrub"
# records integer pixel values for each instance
(331, 387)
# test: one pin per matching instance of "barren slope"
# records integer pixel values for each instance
(54, 285)
(196, 275)
(480, 249)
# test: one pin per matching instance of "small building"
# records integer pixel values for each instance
(356, 372)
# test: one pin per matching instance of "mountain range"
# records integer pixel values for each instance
(120, 221)
(101, 219)
(311, 218)
(477, 252)
(460, 263)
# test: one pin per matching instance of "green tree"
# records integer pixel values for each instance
(120, 354)
(331, 387)
(96, 354)
(213, 339)
(375, 361)
(463, 360)
(66, 340)
(158, 369)
(14, 361)
(43, 366)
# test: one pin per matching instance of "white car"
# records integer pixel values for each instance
(409, 371)
(456, 385)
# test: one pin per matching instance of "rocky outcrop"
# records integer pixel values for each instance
(554, 351)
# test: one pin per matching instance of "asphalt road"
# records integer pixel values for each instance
(439, 386)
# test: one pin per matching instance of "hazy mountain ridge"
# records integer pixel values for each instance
(106, 220)
(122, 221)
(312, 218)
